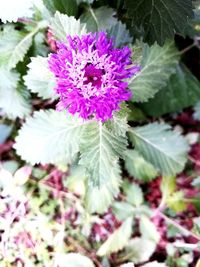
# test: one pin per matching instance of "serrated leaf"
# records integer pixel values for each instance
(182, 91)
(197, 111)
(14, 45)
(133, 193)
(140, 249)
(100, 149)
(100, 19)
(12, 96)
(63, 25)
(148, 229)
(160, 19)
(156, 142)
(158, 63)
(118, 239)
(120, 34)
(123, 210)
(40, 79)
(99, 198)
(73, 260)
(63, 6)
(138, 167)
(49, 137)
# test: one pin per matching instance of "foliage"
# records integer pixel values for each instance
(78, 192)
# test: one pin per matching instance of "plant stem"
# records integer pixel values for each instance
(185, 231)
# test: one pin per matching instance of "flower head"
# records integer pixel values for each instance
(91, 75)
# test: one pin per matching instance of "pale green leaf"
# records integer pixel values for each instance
(148, 229)
(164, 148)
(100, 19)
(73, 260)
(123, 210)
(158, 64)
(13, 100)
(99, 198)
(63, 25)
(101, 146)
(140, 249)
(49, 137)
(133, 193)
(182, 91)
(39, 78)
(118, 239)
(120, 34)
(14, 45)
(138, 167)
(197, 111)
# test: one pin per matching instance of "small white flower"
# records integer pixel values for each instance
(11, 10)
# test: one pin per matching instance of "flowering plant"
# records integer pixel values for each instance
(99, 112)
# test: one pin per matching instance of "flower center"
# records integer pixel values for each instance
(93, 75)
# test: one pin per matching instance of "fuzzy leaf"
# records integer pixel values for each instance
(140, 249)
(73, 260)
(39, 78)
(63, 25)
(101, 146)
(100, 19)
(182, 91)
(160, 19)
(99, 198)
(156, 142)
(158, 63)
(138, 167)
(49, 137)
(148, 229)
(118, 239)
(197, 111)
(133, 194)
(13, 100)
(120, 34)
(14, 45)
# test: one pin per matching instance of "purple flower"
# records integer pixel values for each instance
(90, 75)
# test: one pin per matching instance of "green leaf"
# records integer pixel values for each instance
(158, 63)
(154, 264)
(182, 91)
(99, 198)
(160, 19)
(123, 210)
(68, 7)
(101, 147)
(14, 44)
(133, 194)
(73, 260)
(62, 25)
(156, 142)
(148, 229)
(139, 249)
(120, 34)
(138, 167)
(100, 19)
(13, 98)
(118, 239)
(196, 182)
(49, 137)
(39, 78)
(197, 111)
(176, 201)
